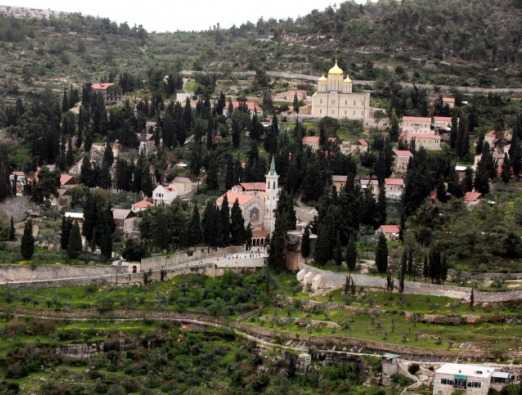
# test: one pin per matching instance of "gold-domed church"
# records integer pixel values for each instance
(334, 98)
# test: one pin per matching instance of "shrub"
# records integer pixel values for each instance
(413, 368)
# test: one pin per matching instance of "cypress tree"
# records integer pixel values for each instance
(89, 214)
(467, 182)
(325, 239)
(195, 234)
(108, 156)
(381, 255)
(27, 246)
(402, 272)
(248, 235)
(481, 182)
(87, 176)
(506, 169)
(74, 243)
(209, 224)
(225, 221)
(351, 254)
(12, 232)
(237, 225)
(338, 252)
(380, 217)
(66, 231)
(305, 244)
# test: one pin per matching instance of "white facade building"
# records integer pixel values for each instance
(469, 379)
(163, 195)
(334, 98)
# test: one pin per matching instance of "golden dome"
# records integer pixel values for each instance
(323, 78)
(347, 79)
(336, 70)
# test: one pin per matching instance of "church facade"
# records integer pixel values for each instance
(334, 98)
(258, 202)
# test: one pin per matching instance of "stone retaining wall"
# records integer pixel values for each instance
(321, 281)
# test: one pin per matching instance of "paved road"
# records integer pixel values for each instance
(313, 78)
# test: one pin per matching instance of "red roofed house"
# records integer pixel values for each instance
(67, 180)
(416, 124)
(258, 202)
(402, 159)
(253, 106)
(391, 232)
(429, 141)
(471, 199)
(394, 188)
(142, 205)
(110, 92)
(443, 123)
(312, 142)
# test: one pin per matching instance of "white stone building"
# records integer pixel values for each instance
(164, 195)
(334, 98)
(469, 379)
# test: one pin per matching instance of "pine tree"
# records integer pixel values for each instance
(66, 231)
(237, 225)
(195, 233)
(27, 246)
(381, 255)
(305, 244)
(12, 232)
(74, 244)
(351, 254)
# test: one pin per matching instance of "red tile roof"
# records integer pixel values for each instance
(143, 204)
(311, 140)
(471, 197)
(253, 186)
(390, 229)
(403, 153)
(419, 136)
(394, 181)
(65, 179)
(241, 197)
(101, 86)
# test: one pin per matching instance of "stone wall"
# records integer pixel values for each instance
(321, 281)
(24, 273)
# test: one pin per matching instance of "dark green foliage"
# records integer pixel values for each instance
(381, 254)
(285, 221)
(27, 246)
(11, 234)
(351, 254)
(237, 225)
(195, 235)
(5, 186)
(225, 222)
(65, 233)
(74, 244)
(305, 244)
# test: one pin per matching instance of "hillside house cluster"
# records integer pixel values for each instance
(394, 187)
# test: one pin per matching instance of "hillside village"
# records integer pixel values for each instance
(336, 235)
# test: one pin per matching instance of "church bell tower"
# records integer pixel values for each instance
(271, 197)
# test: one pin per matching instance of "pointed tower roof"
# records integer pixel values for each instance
(336, 70)
(272, 171)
